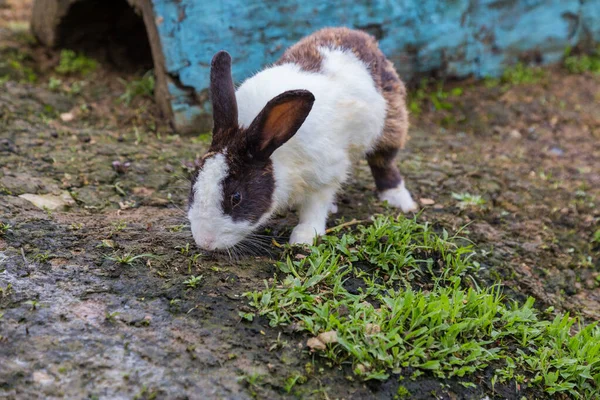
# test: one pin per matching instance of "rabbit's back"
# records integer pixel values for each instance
(307, 55)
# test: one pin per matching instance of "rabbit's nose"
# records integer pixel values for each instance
(207, 242)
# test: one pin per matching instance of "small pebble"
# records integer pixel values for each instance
(515, 134)
(557, 151)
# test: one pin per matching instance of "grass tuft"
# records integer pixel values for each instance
(72, 63)
(520, 74)
(579, 64)
(399, 295)
(128, 258)
(193, 282)
(467, 200)
(143, 87)
(4, 228)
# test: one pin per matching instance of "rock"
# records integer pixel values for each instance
(515, 134)
(49, 201)
(41, 377)
(427, 202)
(67, 117)
(372, 329)
(320, 342)
(556, 151)
(315, 344)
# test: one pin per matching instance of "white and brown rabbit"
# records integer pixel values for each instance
(289, 134)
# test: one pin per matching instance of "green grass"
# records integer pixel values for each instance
(72, 63)
(118, 226)
(193, 282)
(34, 304)
(252, 381)
(14, 66)
(467, 200)
(128, 258)
(415, 304)
(143, 87)
(520, 74)
(4, 227)
(437, 97)
(203, 138)
(579, 64)
(43, 257)
(595, 239)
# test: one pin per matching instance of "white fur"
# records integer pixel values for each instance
(399, 197)
(211, 228)
(346, 120)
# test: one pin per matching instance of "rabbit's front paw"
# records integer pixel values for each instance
(304, 234)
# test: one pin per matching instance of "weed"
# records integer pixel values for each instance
(4, 292)
(34, 304)
(438, 98)
(402, 393)
(111, 316)
(4, 228)
(193, 261)
(43, 257)
(521, 74)
(13, 64)
(143, 87)
(417, 307)
(176, 228)
(279, 343)
(246, 315)
(54, 84)
(204, 138)
(72, 63)
(252, 381)
(579, 64)
(128, 258)
(467, 200)
(120, 190)
(490, 82)
(75, 226)
(106, 243)
(183, 249)
(291, 381)
(118, 226)
(596, 237)
(146, 394)
(193, 281)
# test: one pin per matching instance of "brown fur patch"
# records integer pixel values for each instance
(254, 183)
(251, 178)
(384, 169)
(305, 53)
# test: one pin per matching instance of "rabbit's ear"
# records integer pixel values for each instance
(222, 93)
(278, 121)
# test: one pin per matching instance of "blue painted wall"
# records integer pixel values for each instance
(454, 37)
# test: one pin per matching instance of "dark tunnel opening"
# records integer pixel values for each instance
(108, 30)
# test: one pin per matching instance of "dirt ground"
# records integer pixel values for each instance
(75, 323)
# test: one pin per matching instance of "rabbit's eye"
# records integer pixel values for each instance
(236, 198)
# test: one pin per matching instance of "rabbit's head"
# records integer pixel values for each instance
(232, 189)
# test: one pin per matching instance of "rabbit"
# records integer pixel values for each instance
(289, 135)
